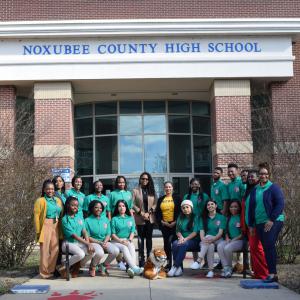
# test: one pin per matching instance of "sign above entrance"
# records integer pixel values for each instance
(151, 57)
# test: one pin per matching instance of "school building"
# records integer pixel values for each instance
(165, 86)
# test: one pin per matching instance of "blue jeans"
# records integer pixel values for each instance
(268, 240)
(179, 250)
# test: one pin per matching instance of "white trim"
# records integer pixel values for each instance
(245, 147)
(232, 88)
(151, 27)
(53, 90)
(53, 151)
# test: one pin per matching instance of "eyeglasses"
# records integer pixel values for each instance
(144, 179)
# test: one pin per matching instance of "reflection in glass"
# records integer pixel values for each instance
(106, 155)
(87, 185)
(202, 154)
(83, 127)
(180, 153)
(179, 124)
(159, 186)
(131, 154)
(106, 108)
(178, 107)
(201, 125)
(106, 125)
(85, 110)
(132, 183)
(84, 156)
(205, 181)
(155, 153)
(154, 107)
(130, 124)
(130, 107)
(180, 185)
(155, 124)
(200, 109)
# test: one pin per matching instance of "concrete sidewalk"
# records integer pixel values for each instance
(193, 285)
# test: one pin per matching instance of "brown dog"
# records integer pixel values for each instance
(153, 268)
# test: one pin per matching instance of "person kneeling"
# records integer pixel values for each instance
(188, 240)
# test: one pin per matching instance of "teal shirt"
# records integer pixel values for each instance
(247, 209)
(260, 211)
(53, 210)
(236, 189)
(103, 199)
(182, 226)
(117, 195)
(214, 224)
(219, 193)
(72, 225)
(234, 226)
(96, 228)
(198, 204)
(122, 227)
(80, 196)
(61, 196)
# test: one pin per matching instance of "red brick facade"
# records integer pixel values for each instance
(7, 116)
(17, 10)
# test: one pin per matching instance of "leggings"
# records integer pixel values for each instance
(169, 235)
(144, 232)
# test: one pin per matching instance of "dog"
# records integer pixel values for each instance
(154, 266)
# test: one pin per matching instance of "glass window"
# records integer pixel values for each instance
(159, 186)
(131, 154)
(87, 185)
(84, 156)
(180, 153)
(200, 109)
(106, 125)
(181, 185)
(154, 107)
(106, 108)
(106, 155)
(202, 154)
(179, 107)
(155, 124)
(130, 107)
(155, 153)
(205, 182)
(83, 110)
(179, 124)
(83, 127)
(130, 124)
(201, 125)
(108, 185)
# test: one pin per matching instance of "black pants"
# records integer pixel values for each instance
(144, 232)
(169, 235)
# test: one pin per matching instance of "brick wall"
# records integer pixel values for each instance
(7, 116)
(12, 10)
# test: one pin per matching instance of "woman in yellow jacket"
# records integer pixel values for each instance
(47, 218)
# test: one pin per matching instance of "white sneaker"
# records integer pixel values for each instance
(130, 273)
(122, 266)
(178, 272)
(195, 265)
(210, 274)
(171, 273)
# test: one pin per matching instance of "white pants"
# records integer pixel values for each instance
(80, 253)
(113, 251)
(226, 249)
(209, 251)
(128, 253)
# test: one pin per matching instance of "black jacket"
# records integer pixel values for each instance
(158, 213)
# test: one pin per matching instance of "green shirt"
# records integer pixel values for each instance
(122, 227)
(182, 226)
(72, 225)
(98, 229)
(247, 209)
(219, 193)
(117, 195)
(61, 196)
(80, 196)
(234, 226)
(103, 199)
(53, 210)
(198, 204)
(236, 189)
(214, 224)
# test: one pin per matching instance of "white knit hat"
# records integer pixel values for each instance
(187, 202)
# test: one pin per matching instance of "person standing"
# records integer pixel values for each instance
(144, 204)
(59, 186)
(48, 211)
(218, 191)
(167, 212)
(266, 215)
(75, 191)
(236, 187)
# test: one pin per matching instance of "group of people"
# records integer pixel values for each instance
(249, 206)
